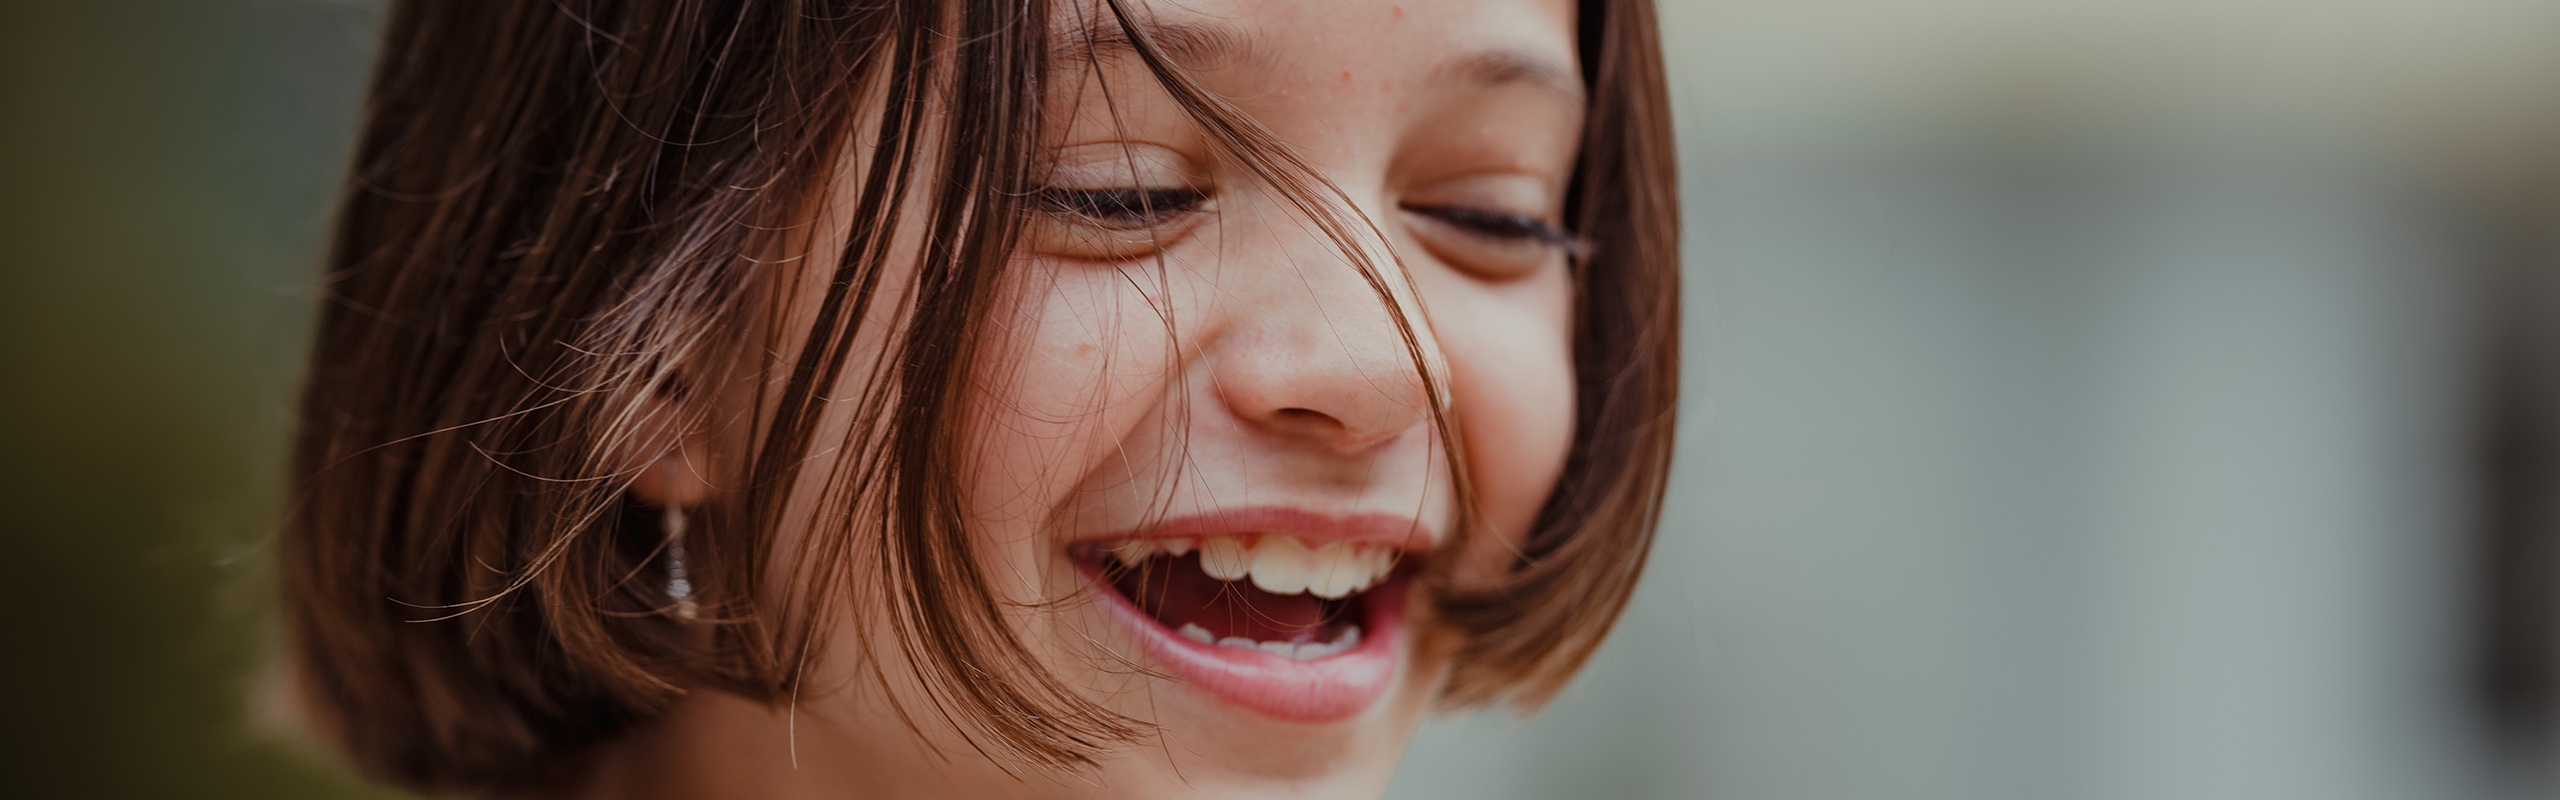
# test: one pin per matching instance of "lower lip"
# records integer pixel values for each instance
(1327, 689)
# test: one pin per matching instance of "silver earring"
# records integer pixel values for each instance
(679, 586)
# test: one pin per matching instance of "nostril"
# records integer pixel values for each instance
(1307, 422)
(1311, 422)
(1335, 431)
(1305, 416)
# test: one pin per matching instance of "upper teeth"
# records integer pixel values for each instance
(1277, 562)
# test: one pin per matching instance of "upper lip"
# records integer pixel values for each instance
(1315, 528)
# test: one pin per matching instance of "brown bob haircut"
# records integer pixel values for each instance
(559, 211)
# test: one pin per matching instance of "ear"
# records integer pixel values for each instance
(678, 465)
(675, 479)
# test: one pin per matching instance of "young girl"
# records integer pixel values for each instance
(978, 398)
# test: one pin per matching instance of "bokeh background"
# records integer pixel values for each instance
(2115, 399)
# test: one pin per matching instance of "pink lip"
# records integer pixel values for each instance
(1314, 528)
(1322, 690)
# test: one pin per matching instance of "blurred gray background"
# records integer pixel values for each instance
(2113, 400)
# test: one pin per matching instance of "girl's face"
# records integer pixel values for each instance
(1205, 465)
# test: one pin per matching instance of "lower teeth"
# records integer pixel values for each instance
(1301, 651)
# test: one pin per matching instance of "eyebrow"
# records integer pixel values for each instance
(1191, 46)
(1499, 67)
(1199, 47)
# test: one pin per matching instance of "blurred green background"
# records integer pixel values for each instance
(165, 175)
(2121, 400)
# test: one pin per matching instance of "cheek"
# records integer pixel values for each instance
(1065, 365)
(1512, 379)
(1023, 425)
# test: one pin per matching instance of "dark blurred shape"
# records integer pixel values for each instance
(2516, 672)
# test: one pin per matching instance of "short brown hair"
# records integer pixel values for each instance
(558, 211)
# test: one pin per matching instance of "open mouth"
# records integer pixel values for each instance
(1297, 630)
(1272, 594)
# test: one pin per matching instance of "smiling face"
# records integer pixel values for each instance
(916, 398)
(1202, 460)
(1207, 431)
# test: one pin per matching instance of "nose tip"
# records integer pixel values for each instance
(1342, 392)
(1320, 339)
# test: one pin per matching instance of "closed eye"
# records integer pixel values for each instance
(1504, 227)
(1112, 224)
(1123, 208)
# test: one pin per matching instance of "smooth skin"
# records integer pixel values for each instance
(1221, 354)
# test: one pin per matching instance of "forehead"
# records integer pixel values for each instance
(1268, 49)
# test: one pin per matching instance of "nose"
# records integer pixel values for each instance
(1319, 359)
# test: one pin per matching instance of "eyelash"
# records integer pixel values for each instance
(1123, 208)
(1498, 225)
(1139, 208)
